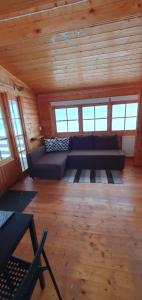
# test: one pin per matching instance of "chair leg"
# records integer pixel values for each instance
(51, 274)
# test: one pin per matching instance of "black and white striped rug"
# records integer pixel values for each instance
(93, 176)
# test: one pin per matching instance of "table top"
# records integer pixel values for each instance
(11, 234)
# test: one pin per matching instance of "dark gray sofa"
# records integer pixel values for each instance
(86, 152)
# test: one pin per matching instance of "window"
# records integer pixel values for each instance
(124, 116)
(94, 118)
(5, 152)
(18, 132)
(100, 117)
(67, 119)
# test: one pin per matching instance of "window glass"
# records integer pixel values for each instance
(72, 113)
(2, 129)
(73, 126)
(131, 109)
(93, 118)
(101, 111)
(127, 114)
(88, 112)
(130, 123)
(88, 125)
(67, 119)
(18, 132)
(17, 126)
(118, 124)
(60, 114)
(101, 124)
(61, 126)
(5, 151)
(118, 110)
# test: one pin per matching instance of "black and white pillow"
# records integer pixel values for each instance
(57, 144)
(49, 145)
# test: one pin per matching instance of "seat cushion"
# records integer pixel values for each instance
(51, 165)
(98, 159)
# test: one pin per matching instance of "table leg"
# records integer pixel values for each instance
(35, 246)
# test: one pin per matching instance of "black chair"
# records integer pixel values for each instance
(18, 279)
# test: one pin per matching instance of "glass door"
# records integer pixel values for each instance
(18, 132)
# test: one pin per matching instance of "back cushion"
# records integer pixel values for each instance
(57, 144)
(81, 142)
(106, 142)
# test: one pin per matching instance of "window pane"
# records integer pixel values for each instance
(88, 112)
(101, 125)
(20, 143)
(131, 109)
(18, 132)
(88, 125)
(4, 149)
(17, 126)
(130, 124)
(101, 111)
(61, 126)
(118, 124)
(73, 126)
(60, 114)
(72, 113)
(14, 108)
(118, 110)
(2, 129)
(24, 157)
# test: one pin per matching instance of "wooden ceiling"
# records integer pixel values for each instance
(65, 45)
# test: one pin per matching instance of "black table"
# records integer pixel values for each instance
(12, 232)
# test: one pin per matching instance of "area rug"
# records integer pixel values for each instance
(93, 176)
(16, 200)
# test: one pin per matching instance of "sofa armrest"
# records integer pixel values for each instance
(35, 155)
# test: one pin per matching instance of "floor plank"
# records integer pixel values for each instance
(95, 237)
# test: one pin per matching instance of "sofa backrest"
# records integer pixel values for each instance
(98, 142)
(106, 142)
(81, 142)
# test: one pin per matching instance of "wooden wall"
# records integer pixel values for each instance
(10, 172)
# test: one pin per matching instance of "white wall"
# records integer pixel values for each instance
(128, 144)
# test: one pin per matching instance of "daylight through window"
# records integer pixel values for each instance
(67, 119)
(95, 118)
(5, 152)
(124, 116)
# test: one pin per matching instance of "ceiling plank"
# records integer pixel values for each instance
(13, 8)
(85, 14)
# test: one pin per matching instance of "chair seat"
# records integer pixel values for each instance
(12, 277)
(18, 278)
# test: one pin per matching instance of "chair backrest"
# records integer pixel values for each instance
(26, 288)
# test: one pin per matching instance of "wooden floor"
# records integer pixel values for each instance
(95, 237)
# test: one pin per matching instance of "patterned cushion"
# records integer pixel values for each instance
(57, 144)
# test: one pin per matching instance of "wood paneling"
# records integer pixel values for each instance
(73, 46)
(10, 170)
(138, 144)
(14, 7)
(94, 241)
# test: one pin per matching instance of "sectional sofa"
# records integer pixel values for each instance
(83, 152)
